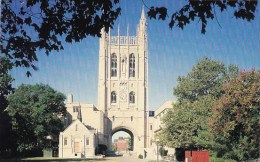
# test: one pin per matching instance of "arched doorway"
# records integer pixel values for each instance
(123, 135)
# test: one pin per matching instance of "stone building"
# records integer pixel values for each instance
(122, 94)
(121, 144)
(123, 85)
(89, 115)
(77, 141)
(155, 127)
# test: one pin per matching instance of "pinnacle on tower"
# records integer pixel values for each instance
(141, 28)
(143, 14)
(118, 30)
(127, 30)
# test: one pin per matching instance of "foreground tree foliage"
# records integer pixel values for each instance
(204, 10)
(186, 124)
(235, 122)
(32, 25)
(5, 121)
(35, 111)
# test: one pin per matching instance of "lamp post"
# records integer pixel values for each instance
(157, 143)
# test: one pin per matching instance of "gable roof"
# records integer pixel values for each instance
(166, 105)
(80, 126)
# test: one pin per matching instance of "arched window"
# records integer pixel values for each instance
(132, 97)
(113, 97)
(132, 65)
(113, 65)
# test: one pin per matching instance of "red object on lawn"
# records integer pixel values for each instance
(196, 156)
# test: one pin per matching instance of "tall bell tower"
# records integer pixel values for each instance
(123, 84)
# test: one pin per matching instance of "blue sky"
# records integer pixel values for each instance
(172, 53)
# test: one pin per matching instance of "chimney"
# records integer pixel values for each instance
(70, 98)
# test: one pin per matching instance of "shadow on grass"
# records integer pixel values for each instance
(113, 155)
(40, 159)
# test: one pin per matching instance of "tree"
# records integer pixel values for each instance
(55, 22)
(35, 111)
(235, 122)
(50, 21)
(129, 144)
(186, 124)
(5, 120)
(204, 10)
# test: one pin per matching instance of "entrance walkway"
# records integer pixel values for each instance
(131, 159)
(126, 159)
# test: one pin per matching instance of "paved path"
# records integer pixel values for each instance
(131, 159)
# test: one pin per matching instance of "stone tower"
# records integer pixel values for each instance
(123, 85)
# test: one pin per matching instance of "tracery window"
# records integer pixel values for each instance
(113, 97)
(132, 97)
(132, 65)
(113, 65)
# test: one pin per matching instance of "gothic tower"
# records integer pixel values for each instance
(123, 84)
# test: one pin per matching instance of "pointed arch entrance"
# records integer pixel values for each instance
(118, 129)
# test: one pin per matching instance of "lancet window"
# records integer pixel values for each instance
(132, 65)
(113, 65)
(132, 97)
(113, 97)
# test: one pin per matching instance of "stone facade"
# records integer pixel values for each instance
(87, 113)
(155, 126)
(122, 97)
(123, 84)
(77, 141)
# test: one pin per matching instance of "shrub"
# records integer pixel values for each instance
(163, 152)
(140, 156)
(213, 159)
(102, 149)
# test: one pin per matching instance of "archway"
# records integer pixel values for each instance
(126, 131)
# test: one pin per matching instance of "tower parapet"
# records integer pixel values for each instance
(123, 40)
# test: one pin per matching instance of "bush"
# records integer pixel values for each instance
(163, 152)
(180, 154)
(140, 156)
(102, 149)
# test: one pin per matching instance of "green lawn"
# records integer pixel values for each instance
(41, 159)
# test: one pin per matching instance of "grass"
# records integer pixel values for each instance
(213, 159)
(54, 159)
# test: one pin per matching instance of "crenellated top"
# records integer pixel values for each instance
(126, 40)
(123, 40)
